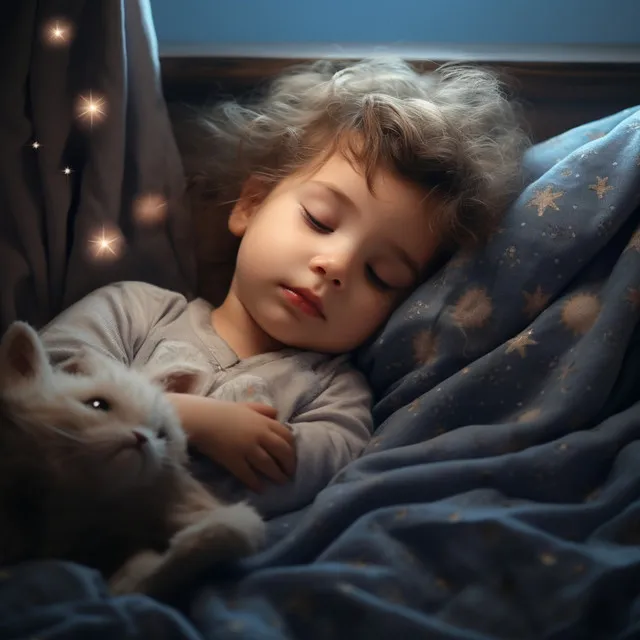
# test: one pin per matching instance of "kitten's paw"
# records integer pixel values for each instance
(134, 573)
(247, 522)
(226, 534)
(229, 532)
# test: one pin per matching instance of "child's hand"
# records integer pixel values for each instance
(247, 440)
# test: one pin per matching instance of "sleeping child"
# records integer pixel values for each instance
(346, 184)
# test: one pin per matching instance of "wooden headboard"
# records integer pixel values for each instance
(559, 86)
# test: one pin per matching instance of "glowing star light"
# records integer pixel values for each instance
(106, 245)
(150, 208)
(35, 145)
(91, 108)
(57, 32)
(67, 171)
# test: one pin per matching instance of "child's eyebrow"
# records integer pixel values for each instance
(336, 193)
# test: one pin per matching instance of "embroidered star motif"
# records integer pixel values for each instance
(580, 312)
(634, 243)
(566, 371)
(544, 199)
(520, 343)
(601, 187)
(425, 347)
(473, 309)
(535, 302)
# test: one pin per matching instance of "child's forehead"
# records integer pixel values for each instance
(389, 207)
(345, 179)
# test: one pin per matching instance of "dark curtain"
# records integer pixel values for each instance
(91, 181)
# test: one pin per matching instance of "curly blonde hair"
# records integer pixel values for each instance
(452, 131)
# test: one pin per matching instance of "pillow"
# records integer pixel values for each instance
(481, 339)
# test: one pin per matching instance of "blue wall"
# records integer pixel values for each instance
(388, 21)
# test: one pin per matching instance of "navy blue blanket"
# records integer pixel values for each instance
(500, 496)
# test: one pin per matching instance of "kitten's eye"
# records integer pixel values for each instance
(163, 434)
(99, 404)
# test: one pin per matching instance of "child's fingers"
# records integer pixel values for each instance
(282, 451)
(282, 431)
(261, 461)
(243, 471)
(264, 409)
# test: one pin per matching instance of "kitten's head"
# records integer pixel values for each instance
(96, 417)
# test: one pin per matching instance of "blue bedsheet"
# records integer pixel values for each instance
(500, 497)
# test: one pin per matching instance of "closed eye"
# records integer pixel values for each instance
(314, 223)
(377, 281)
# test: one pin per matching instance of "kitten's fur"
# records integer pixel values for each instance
(92, 470)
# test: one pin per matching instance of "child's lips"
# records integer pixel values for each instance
(305, 300)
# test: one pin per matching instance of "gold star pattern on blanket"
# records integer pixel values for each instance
(566, 371)
(529, 415)
(580, 312)
(461, 259)
(601, 187)
(634, 243)
(634, 298)
(473, 309)
(425, 347)
(521, 342)
(544, 199)
(535, 302)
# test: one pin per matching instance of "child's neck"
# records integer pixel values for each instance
(236, 327)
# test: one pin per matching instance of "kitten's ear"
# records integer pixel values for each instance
(174, 380)
(22, 357)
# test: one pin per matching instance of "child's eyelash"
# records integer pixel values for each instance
(377, 281)
(373, 277)
(315, 223)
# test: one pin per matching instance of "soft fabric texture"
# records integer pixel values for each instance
(324, 400)
(500, 497)
(123, 182)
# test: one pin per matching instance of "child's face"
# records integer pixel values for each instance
(323, 261)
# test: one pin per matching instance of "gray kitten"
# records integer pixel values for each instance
(92, 470)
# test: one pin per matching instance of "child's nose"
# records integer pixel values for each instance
(332, 268)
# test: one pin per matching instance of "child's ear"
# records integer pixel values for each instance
(251, 197)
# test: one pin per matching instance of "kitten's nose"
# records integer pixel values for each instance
(141, 439)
